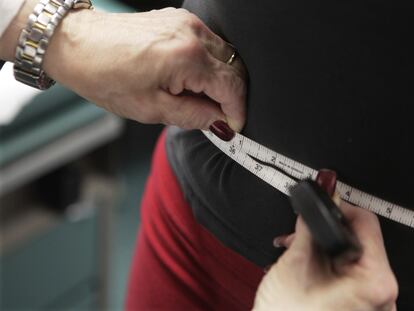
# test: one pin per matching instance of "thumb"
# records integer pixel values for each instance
(303, 238)
(304, 253)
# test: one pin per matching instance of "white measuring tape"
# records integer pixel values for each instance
(281, 172)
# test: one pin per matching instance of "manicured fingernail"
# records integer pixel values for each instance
(326, 179)
(277, 242)
(222, 130)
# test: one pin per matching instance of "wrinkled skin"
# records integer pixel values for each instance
(304, 280)
(163, 66)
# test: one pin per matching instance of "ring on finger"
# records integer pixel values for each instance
(232, 58)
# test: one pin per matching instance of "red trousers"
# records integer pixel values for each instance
(177, 264)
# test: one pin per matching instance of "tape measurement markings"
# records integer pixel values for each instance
(282, 172)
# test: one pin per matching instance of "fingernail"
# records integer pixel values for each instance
(222, 130)
(277, 242)
(266, 269)
(326, 179)
(336, 198)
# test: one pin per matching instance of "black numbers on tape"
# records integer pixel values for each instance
(258, 167)
(299, 171)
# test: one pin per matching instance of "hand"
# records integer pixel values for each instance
(304, 280)
(161, 66)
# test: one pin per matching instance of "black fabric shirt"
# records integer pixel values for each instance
(331, 87)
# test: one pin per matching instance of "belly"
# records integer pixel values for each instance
(329, 86)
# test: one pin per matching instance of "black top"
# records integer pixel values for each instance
(331, 87)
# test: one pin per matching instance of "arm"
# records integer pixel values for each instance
(9, 10)
(161, 66)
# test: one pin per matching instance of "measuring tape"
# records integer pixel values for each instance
(281, 173)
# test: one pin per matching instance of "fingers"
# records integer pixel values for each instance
(374, 258)
(364, 223)
(196, 63)
(225, 86)
(217, 47)
(189, 111)
(218, 81)
(284, 240)
(366, 227)
(300, 240)
(222, 51)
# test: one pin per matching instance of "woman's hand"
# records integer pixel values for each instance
(302, 280)
(162, 66)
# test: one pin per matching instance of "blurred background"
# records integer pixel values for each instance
(71, 180)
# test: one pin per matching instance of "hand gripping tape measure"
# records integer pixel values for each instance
(283, 173)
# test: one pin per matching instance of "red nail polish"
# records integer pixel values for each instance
(326, 179)
(222, 130)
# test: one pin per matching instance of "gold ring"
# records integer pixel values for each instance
(232, 57)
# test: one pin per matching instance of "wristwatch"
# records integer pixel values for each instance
(34, 39)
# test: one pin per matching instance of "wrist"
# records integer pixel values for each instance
(63, 58)
(10, 38)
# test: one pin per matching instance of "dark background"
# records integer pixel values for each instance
(146, 5)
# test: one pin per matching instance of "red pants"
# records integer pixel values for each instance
(178, 265)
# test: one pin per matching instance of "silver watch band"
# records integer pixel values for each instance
(34, 39)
